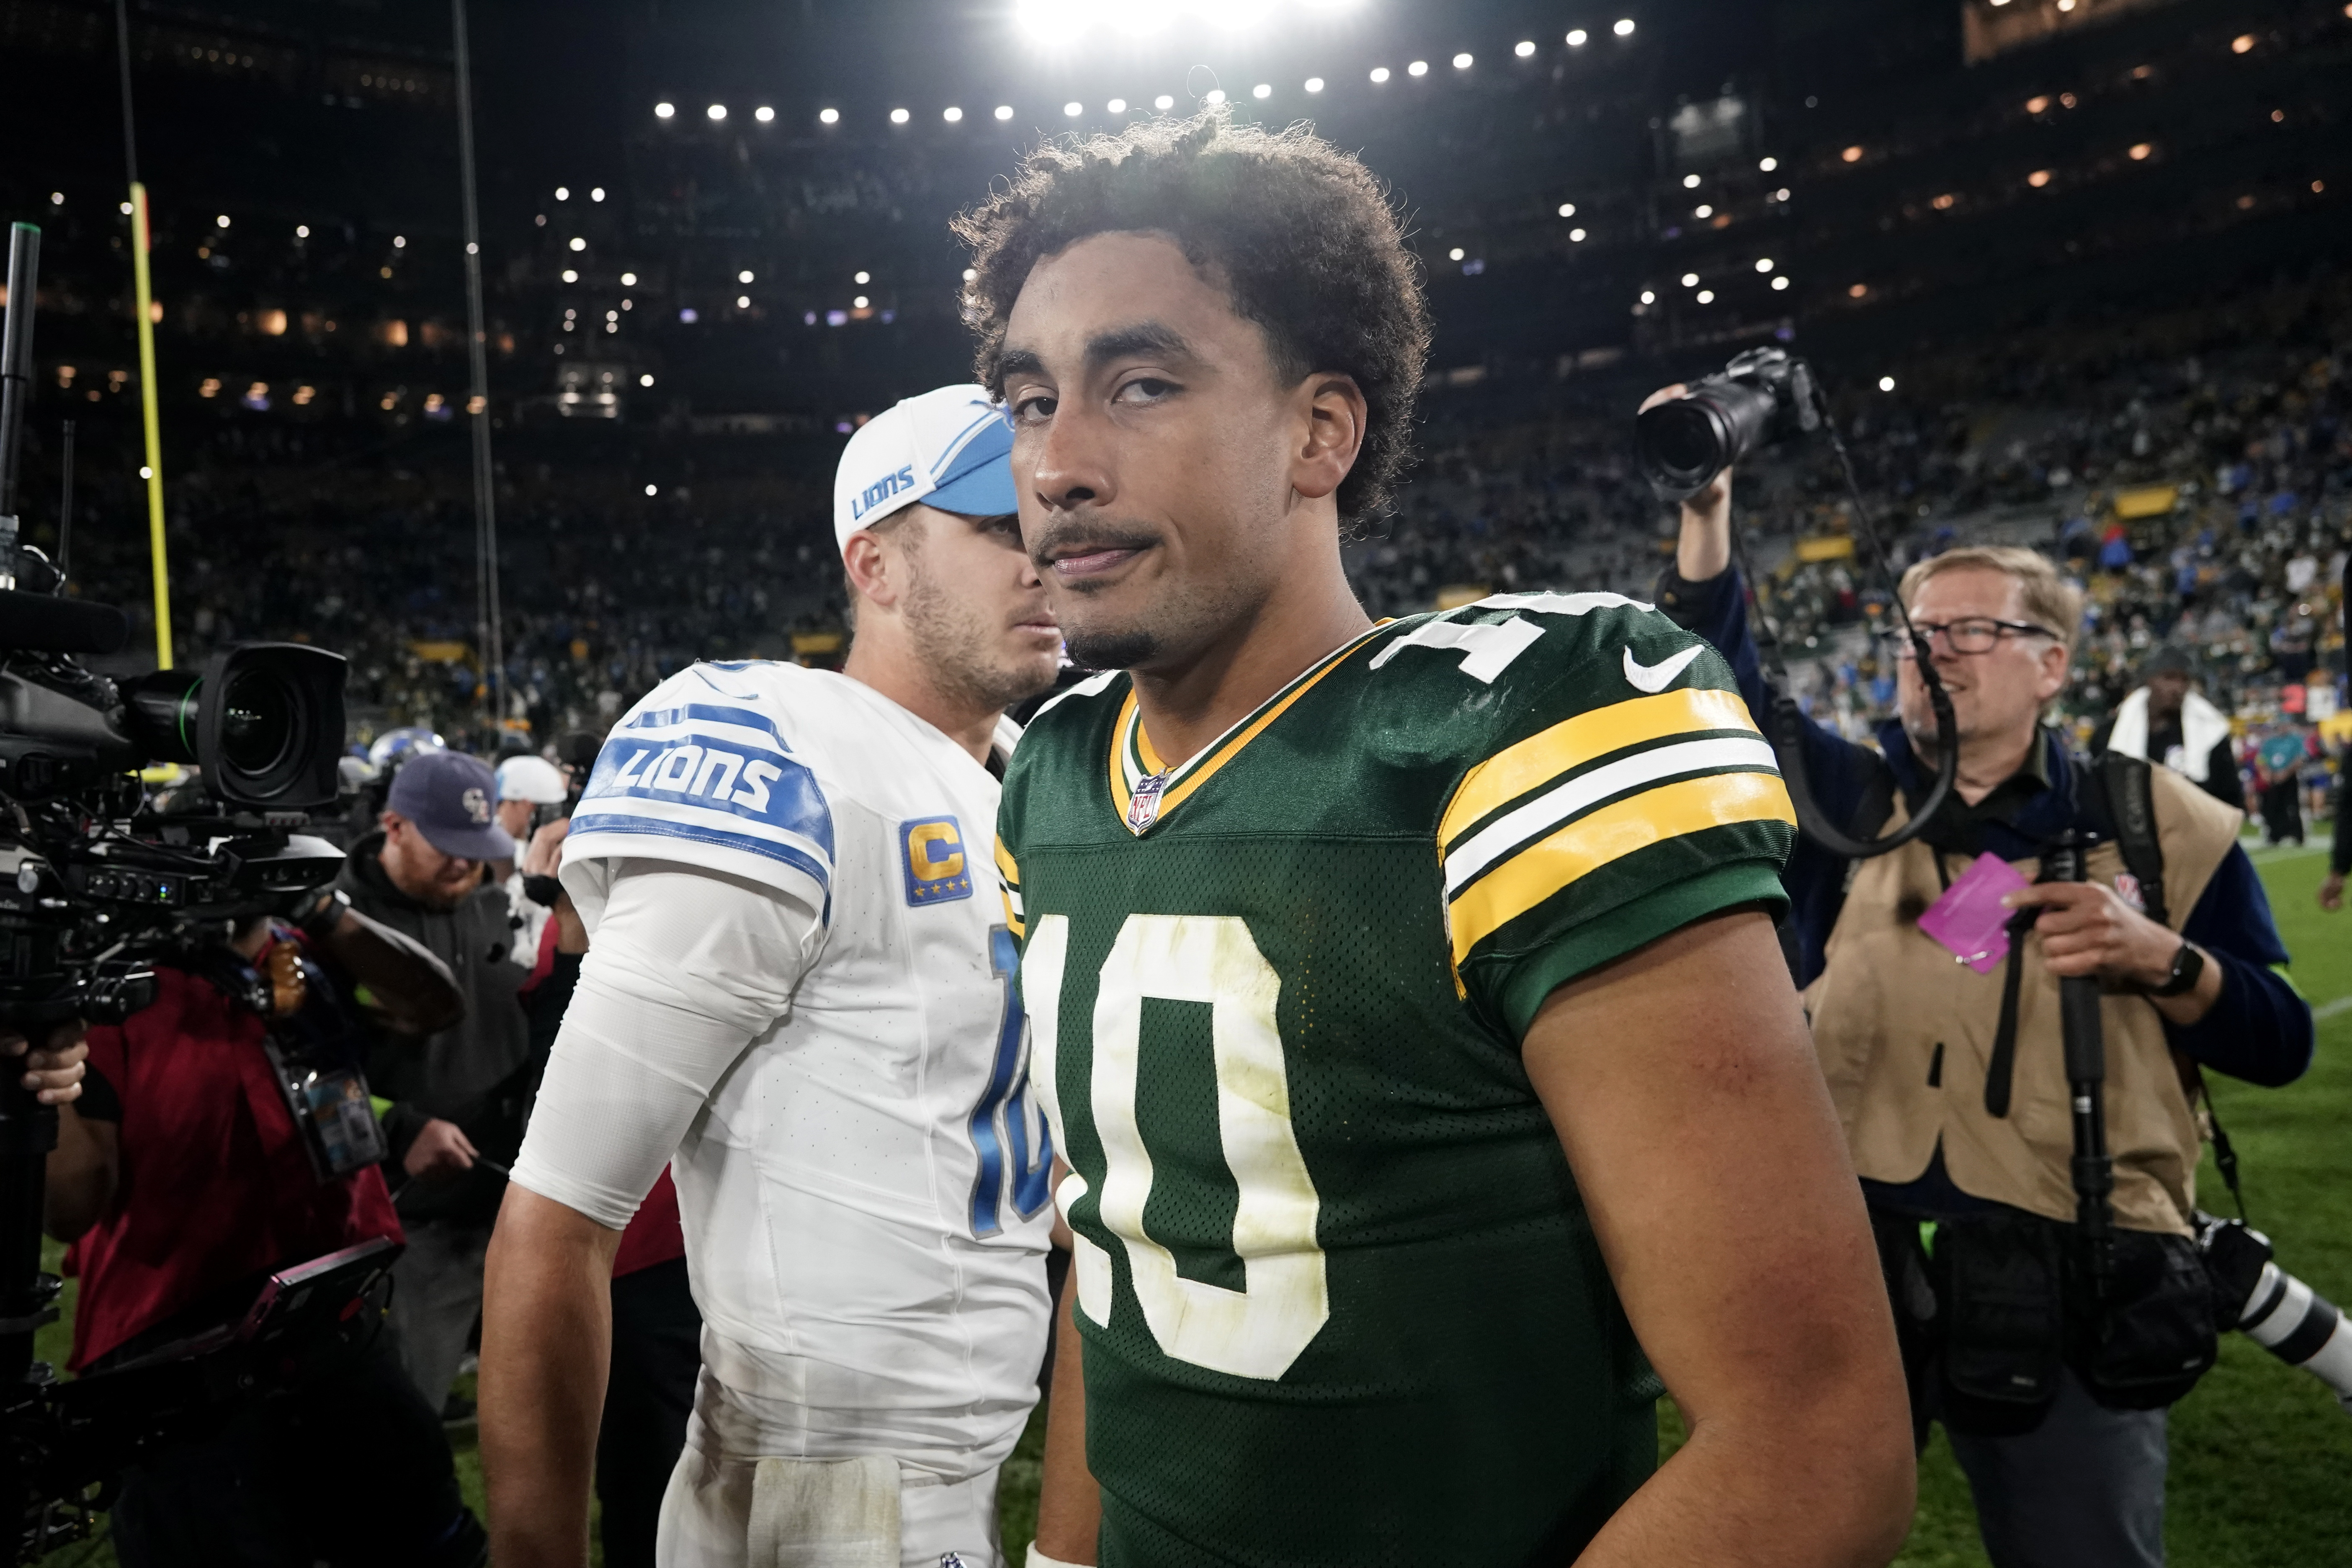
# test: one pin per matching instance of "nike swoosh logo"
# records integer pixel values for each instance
(1656, 678)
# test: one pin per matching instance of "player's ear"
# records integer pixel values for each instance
(870, 568)
(1332, 416)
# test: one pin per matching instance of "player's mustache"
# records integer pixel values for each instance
(1053, 543)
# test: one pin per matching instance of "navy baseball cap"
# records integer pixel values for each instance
(452, 800)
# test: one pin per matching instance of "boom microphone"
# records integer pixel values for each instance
(37, 623)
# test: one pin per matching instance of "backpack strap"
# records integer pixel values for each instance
(2131, 810)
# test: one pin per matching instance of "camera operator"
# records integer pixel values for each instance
(182, 1178)
(1956, 1104)
(460, 1098)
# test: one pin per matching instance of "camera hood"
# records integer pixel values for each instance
(264, 720)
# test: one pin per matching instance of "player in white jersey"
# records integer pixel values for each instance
(797, 993)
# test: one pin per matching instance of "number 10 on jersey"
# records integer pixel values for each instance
(1260, 1329)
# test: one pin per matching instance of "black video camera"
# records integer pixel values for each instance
(1763, 396)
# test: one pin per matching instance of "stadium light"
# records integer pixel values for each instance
(742, 301)
(1163, 104)
(1455, 254)
(1216, 95)
(1576, 236)
(2039, 178)
(570, 276)
(221, 222)
(301, 231)
(1117, 106)
(1706, 295)
(764, 114)
(1003, 111)
(1885, 383)
(1074, 109)
(653, 490)
(860, 303)
(563, 193)
(1767, 165)
(1690, 182)
(951, 114)
(1780, 282)
(1380, 74)
(744, 276)
(578, 243)
(828, 117)
(1418, 67)
(1781, 195)
(646, 379)
(57, 199)
(1690, 280)
(628, 280)
(664, 110)
(1702, 210)
(1575, 38)
(1526, 47)
(1763, 264)
(1262, 92)
(900, 116)
(1648, 297)
(598, 194)
(1463, 62)
(716, 111)
(2242, 44)
(1624, 27)
(862, 278)
(1852, 155)
(400, 242)
(1568, 209)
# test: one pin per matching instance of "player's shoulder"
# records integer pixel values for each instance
(751, 700)
(1490, 674)
(1069, 721)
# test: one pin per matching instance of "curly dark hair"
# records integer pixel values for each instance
(1297, 231)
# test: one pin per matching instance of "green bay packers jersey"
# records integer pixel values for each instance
(1340, 1301)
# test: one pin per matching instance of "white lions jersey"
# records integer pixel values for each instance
(866, 1191)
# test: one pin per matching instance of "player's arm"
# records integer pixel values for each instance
(1069, 1504)
(688, 967)
(1683, 1086)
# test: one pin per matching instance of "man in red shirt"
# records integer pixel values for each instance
(182, 1179)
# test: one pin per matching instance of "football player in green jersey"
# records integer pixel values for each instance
(1405, 997)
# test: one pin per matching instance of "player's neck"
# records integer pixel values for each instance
(1186, 706)
(884, 664)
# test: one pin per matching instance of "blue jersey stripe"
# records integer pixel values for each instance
(602, 823)
(689, 713)
(714, 773)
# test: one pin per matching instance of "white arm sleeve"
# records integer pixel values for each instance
(688, 967)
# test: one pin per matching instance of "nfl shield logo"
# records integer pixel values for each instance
(2127, 887)
(1144, 810)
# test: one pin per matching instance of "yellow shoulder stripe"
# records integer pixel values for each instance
(1541, 758)
(1120, 795)
(1005, 863)
(1669, 810)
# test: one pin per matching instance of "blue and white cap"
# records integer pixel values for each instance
(951, 450)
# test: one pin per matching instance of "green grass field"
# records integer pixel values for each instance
(2261, 1453)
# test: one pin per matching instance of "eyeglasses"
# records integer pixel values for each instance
(1976, 634)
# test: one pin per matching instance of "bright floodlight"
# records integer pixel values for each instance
(598, 194)
(1885, 383)
(664, 110)
(1690, 280)
(1576, 236)
(716, 111)
(828, 117)
(1003, 111)
(1074, 109)
(861, 278)
(742, 301)
(221, 222)
(646, 379)
(1315, 84)
(1763, 264)
(1461, 62)
(653, 490)
(951, 114)
(301, 230)
(744, 276)
(1163, 104)
(1769, 164)
(1706, 295)
(859, 304)
(1527, 47)
(899, 117)
(563, 193)
(1702, 210)
(1117, 106)
(1690, 182)
(628, 280)
(1455, 254)
(578, 243)
(1624, 27)
(1418, 67)
(1648, 297)
(399, 241)
(1262, 90)
(764, 114)
(570, 276)
(1216, 95)
(1575, 38)
(1568, 209)
(1780, 282)
(1380, 73)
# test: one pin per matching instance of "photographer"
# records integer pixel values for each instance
(459, 1099)
(182, 1178)
(1951, 1083)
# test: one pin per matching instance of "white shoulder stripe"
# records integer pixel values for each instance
(1548, 604)
(1092, 685)
(1493, 842)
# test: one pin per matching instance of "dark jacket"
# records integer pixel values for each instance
(476, 1073)
(2221, 779)
(2260, 1030)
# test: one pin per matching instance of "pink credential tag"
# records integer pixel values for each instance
(1969, 921)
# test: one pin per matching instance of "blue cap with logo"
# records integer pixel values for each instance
(950, 449)
(452, 800)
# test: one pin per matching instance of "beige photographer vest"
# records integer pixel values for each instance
(1905, 1032)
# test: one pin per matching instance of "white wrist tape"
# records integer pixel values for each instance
(1039, 1560)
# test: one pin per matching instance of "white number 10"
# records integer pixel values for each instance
(1256, 1331)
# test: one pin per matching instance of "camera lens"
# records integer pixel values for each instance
(1682, 438)
(258, 721)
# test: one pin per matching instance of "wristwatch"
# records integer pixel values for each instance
(2188, 968)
